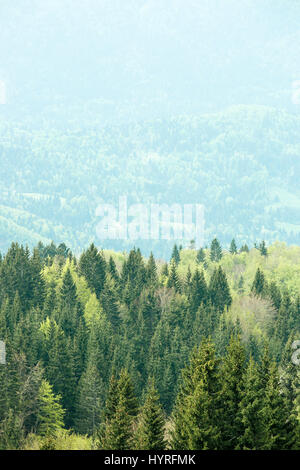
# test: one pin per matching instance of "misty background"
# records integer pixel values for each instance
(175, 101)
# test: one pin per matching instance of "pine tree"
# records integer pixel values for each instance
(112, 270)
(233, 247)
(175, 255)
(259, 284)
(280, 431)
(173, 280)
(92, 266)
(232, 378)
(109, 302)
(195, 415)
(151, 427)
(89, 404)
(251, 411)
(126, 389)
(51, 413)
(215, 250)
(165, 270)
(244, 249)
(275, 295)
(219, 290)
(200, 258)
(263, 249)
(119, 430)
(120, 410)
(151, 271)
(198, 291)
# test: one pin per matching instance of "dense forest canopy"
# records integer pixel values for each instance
(53, 179)
(115, 351)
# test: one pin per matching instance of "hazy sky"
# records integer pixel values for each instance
(156, 55)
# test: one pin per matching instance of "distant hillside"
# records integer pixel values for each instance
(242, 164)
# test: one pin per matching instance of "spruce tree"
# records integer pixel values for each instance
(280, 430)
(263, 249)
(233, 247)
(232, 378)
(150, 432)
(120, 410)
(51, 413)
(92, 266)
(175, 255)
(250, 411)
(89, 404)
(119, 430)
(215, 250)
(219, 290)
(198, 291)
(151, 271)
(259, 284)
(200, 258)
(173, 279)
(195, 416)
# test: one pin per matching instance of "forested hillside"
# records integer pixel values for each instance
(242, 165)
(110, 350)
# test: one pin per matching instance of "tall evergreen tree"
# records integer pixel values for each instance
(215, 250)
(150, 432)
(259, 284)
(232, 378)
(233, 247)
(195, 416)
(175, 255)
(51, 413)
(92, 266)
(219, 290)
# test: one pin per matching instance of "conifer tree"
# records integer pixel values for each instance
(112, 270)
(120, 411)
(109, 301)
(275, 295)
(198, 291)
(263, 249)
(244, 249)
(119, 430)
(151, 271)
(126, 389)
(151, 427)
(233, 247)
(200, 258)
(188, 278)
(89, 404)
(195, 416)
(232, 378)
(280, 430)
(173, 279)
(51, 413)
(92, 266)
(175, 255)
(251, 411)
(165, 270)
(259, 284)
(215, 250)
(219, 290)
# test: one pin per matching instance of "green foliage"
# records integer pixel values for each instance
(215, 250)
(150, 432)
(51, 414)
(80, 353)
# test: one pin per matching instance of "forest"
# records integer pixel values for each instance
(53, 178)
(115, 351)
